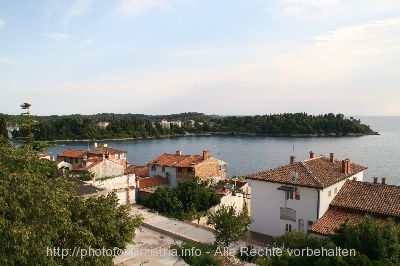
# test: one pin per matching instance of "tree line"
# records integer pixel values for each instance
(82, 127)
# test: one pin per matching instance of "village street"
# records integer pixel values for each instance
(159, 232)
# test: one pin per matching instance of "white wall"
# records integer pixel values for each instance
(121, 184)
(158, 172)
(266, 201)
(325, 199)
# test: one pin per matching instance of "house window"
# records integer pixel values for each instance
(179, 170)
(289, 194)
(335, 190)
(329, 193)
(288, 228)
(153, 168)
(301, 225)
(76, 160)
(167, 175)
(163, 169)
(117, 156)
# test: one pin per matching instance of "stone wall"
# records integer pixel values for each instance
(209, 168)
(107, 168)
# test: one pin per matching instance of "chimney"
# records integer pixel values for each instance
(375, 180)
(383, 180)
(343, 167)
(206, 155)
(105, 145)
(332, 157)
(292, 159)
(95, 144)
(311, 154)
(348, 166)
(178, 152)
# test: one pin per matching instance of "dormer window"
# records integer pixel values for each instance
(153, 168)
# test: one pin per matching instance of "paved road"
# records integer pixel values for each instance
(174, 228)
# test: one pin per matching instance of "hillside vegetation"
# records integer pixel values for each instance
(80, 127)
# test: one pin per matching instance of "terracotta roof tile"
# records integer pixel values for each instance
(317, 172)
(177, 160)
(105, 150)
(334, 217)
(149, 182)
(72, 153)
(356, 199)
(139, 171)
(369, 197)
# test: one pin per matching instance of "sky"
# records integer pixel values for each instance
(216, 57)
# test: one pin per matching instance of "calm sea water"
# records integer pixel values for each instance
(249, 154)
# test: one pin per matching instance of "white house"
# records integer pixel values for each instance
(294, 196)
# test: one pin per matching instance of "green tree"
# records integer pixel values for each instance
(40, 211)
(229, 226)
(27, 125)
(378, 242)
(3, 127)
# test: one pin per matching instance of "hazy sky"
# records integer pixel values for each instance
(211, 56)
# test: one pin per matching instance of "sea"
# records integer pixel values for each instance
(249, 154)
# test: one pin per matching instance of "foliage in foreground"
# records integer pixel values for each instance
(375, 244)
(189, 200)
(229, 226)
(197, 254)
(39, 211)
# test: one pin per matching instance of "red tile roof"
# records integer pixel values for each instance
(317, 172)
(106, 150)
(72, 153)
(175, 160)
(87, 168)
(356, 199)
(139, 171)
(149, 182)
(334, 217)
(369, 197)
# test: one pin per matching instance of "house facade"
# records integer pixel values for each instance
(78, 159)
(177, 167)
(293, 197)
(357, 200)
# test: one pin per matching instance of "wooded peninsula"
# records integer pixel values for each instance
(121, 126)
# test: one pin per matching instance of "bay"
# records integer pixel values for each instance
(250, 154)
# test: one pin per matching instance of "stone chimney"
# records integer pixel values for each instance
(311, 154)
(292, 159)
(332, 157)
(105, 145)
(206, 155)
(178, 152)
(375, 180)
(383, 180)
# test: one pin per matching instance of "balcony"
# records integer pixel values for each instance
(288, 214)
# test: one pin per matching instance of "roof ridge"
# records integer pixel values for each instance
(311, 174)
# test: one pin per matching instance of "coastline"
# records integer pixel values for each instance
(205, 134)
